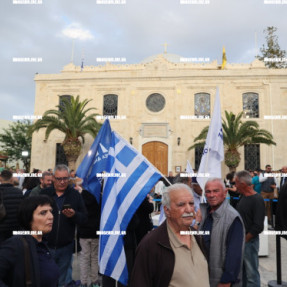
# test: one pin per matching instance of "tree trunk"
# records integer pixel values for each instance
(232, 159)
(72, 148)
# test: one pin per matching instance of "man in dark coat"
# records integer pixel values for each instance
(68, 210)
(12, 197)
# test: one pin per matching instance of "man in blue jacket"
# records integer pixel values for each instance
(68, 210)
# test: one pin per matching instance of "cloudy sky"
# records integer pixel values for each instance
(135, 31)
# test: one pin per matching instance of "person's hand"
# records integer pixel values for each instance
(150, 198)
(68, 212)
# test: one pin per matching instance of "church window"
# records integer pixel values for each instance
(110, 105)
(61, 101)
(202, 104)
(250, 105)
(251, 156)
(155, 102)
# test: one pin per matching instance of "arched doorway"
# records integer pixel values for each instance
(157, 154)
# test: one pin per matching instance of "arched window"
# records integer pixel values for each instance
(251, 156)
(250, 105)
(110, 105)
(61, 102)
(202, 104)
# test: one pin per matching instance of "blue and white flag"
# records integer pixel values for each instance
(130, 177)
(95, 161)
(213, 152)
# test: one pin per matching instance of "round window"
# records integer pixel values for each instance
(155, 102)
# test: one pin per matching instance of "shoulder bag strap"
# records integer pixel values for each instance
(28, 272)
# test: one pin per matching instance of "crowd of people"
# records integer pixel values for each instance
(209, 237)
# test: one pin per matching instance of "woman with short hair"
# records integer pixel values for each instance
(25, 259)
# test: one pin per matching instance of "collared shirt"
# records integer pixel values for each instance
(190, 267)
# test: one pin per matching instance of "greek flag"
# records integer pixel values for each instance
(130, 177)
(213, 152)
(95, 161)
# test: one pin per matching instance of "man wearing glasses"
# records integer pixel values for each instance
(68, 210)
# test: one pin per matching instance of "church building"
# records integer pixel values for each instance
(162, 103)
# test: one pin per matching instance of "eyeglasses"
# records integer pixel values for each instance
(62, 178)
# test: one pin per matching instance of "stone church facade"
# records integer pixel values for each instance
(161, 104)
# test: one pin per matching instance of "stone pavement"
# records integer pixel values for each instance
(267, 264)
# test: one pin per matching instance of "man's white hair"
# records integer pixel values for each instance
(174, 187)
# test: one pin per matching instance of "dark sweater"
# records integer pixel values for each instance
(252, 210)
(12, 197)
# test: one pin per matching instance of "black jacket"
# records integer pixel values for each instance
(12, 197)
(90, 228)
(12, 262)
(281, 212)
(145, 222)
(63, 230)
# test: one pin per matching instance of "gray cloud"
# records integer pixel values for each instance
(136, 31)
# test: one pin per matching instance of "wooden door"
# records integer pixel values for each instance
(157, 154)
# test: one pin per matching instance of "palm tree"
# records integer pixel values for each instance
(71, 119)
(236, 134)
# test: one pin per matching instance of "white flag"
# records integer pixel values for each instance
(213, 152)
(189, 168)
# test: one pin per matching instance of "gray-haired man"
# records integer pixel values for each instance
(68, 210)
(225, 242)
(170, 255)
(252, 210)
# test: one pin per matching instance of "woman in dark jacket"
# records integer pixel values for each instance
(25, 259)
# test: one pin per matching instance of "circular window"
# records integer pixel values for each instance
(155, 102)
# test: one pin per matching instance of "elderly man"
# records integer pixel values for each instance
(225, 241)
(68, 210)
(251, 208)
(170, 255)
